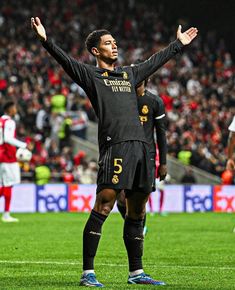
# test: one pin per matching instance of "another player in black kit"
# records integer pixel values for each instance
(123, 147)
(152, 116)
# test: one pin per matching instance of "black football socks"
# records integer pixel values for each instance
(134, 240)
(91, 237)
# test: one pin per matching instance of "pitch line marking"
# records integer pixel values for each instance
(115, 265)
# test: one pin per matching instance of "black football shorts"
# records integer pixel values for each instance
(127, 166)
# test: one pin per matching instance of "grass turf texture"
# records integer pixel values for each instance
(187, 251)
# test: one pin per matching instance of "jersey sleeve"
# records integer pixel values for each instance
(159, 123)
(78, 72)
(232, 125)
(159, 109)
(9, 132)
(145, 69)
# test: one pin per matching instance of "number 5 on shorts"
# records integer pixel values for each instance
(117, 165)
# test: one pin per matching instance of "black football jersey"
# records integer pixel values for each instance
(112, 93)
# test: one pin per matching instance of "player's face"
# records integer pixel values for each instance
(13, 111)
(108, 48)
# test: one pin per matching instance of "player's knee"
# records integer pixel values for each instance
(104, 207)
(136, 213)
(107, 208)
(105, 201)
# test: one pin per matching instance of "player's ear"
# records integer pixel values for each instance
(95, 51)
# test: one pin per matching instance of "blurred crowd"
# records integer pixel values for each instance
(197, 87)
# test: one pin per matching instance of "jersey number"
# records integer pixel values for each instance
(117, 165)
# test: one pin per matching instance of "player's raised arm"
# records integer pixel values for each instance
(76, 70)
(38, 28)
(143, 70)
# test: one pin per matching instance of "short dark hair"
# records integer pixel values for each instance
(93, 38)
(8, 105)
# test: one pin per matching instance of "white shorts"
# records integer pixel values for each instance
(9, 174)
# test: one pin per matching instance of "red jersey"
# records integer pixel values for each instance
(8, 142)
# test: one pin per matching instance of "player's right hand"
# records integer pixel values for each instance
(38, 28)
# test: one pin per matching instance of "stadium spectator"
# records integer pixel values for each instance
(67, 177)
(43, 125)
(79, 123)
(9, 167)
(227, 177)
(188, 177)
(58, 103)
(64, 132)
(42, 174)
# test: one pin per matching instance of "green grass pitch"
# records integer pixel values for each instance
(187, 251)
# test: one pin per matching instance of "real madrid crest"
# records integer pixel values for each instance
(115, 179)
(145, 109)
(125, 75)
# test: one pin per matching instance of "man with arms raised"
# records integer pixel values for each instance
(123, 148)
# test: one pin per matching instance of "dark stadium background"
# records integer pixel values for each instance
(206, 15)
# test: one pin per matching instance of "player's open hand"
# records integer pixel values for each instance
(187, 36)
(38, 28)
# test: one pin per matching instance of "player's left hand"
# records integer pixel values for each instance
(187, 36)
(162, 172)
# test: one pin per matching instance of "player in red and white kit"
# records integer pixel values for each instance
(9, 167)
